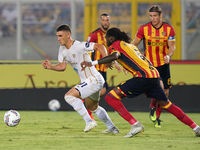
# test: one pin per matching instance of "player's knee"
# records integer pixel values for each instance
(166, 92)
(111, 96)
(68, 98)
(103, 91)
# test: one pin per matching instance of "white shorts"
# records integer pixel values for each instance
(91, 87)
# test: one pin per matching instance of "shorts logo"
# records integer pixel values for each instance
(87, 44)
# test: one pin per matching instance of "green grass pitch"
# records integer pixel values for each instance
(63, 130)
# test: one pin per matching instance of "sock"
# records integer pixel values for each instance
(153, 103)
(90, 113)
(158, 110)
(101, 113)
(119, 107)
(78, 106)
(176, 111)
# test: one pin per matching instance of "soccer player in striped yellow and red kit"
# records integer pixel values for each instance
(159, 45)
(145, 80)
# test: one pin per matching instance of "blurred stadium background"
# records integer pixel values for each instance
(27, 36)
(36, 20)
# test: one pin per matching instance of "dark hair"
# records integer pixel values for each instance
(63, 27)
(156, 8)
(119, 35)
(105, 14)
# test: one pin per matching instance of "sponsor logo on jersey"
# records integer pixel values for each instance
(158, 38)
(156, 43)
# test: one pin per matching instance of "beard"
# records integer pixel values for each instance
(104, 27)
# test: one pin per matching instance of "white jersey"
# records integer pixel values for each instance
(78, 52)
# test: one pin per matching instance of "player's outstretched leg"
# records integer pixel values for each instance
(78, 106)
(176, 111)
(114, 101)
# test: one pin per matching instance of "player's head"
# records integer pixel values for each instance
(63, 27)
(63, 33)
(115, 34)
(155, 13)
(156, 8)
(105, 21)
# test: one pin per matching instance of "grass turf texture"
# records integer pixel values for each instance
(40, 130)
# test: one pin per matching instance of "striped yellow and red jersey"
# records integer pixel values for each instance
(133, 61)
(98, 36)
(155, 41)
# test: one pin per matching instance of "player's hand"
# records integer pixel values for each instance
(117, 67)
(166, 59)
(109, 65)
(125, 71)
(46, 64)
(85, 64)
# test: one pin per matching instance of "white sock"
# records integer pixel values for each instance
(78, 106)
(195, 128)
(101, 113)
(135, 123)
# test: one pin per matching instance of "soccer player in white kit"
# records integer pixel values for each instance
(74, 52)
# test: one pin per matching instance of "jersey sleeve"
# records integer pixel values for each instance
(92, 37)
(140, 33)
(87, 47)
(172, 35)
(113, 49)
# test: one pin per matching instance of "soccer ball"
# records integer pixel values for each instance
(12, 118)
(54, 105)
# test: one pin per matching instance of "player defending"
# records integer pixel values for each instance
(159, 45)
(98, 36)
(145, 80)
(74, 52)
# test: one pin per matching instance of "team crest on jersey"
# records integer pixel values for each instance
(74, 55)
(163, 33)
(65, 59)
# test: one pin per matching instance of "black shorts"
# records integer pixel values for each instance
(137, 86)
(104, 74)
(164, 72)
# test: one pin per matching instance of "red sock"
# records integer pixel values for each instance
(153, 103)
(158, 110)
(90, 113)
(176, 111)
(119, 107)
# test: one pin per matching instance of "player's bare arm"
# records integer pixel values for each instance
(59, 67)
(101, 48)
(136, 41)
(104, 60)
(170, 52)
